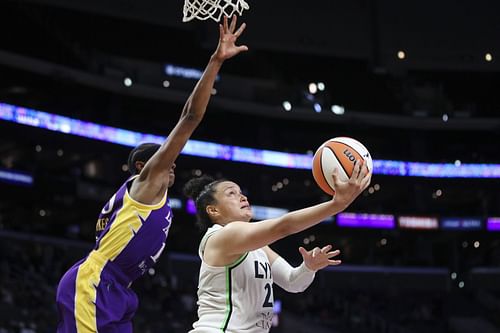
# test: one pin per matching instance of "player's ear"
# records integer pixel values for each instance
(212, 211)
(139, 165)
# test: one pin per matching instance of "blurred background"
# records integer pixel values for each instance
(416, 82)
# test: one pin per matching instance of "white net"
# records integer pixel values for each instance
(214, 9)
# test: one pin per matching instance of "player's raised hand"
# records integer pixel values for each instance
(317, 258)
(227, 47)
(346, 192)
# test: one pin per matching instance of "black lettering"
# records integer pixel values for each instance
(264, 267)
(269, 293)
(349, 155)
(257, 274)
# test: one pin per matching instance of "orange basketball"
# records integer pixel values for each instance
(338, 153)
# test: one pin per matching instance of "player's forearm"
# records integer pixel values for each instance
(302, 219)
(196, 105)
(292, 279)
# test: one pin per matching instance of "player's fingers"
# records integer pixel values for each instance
(233, 24)
(315, 251)
(334, 262)
(240, 30)
(356, 170)
(221, 31)
(366, 181)
(242, 48)
(364, 171)
(333, 254)
(303, 251)
(225, 24)
(327, 248)
(336, 178)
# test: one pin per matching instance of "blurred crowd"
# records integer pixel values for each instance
(30, 271)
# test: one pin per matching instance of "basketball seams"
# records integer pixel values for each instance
(339, 162)
(319, 174)
(356, 154)
(355, 149)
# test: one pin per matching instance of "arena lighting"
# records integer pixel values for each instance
(175, 203)
(264, 212)
(337, 109)
(16, 177)
(418, 222)
(357, 220)
(317, 107)
(259, 212)
(493, 224)
(461, 223)
(127, 82)
(185, 72)
(287, 106)
(204, 149)
(313, 88)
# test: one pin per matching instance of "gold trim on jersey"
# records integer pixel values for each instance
(87, 281)
(142, 205)
(127, 223)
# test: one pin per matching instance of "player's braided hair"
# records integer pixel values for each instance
(202, 191)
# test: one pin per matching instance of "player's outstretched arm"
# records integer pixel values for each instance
(153, 178)
(240, 237)
(297, 279)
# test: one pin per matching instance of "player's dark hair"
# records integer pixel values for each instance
(202, 191)
(143, 153)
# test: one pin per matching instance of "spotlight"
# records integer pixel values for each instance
(127, 82)
(287, 106)
(317, 107)
(337, 109)
(313, 88)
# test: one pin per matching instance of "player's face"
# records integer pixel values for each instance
(171, 176)
(232, 204)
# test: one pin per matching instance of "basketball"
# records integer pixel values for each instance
(339, 153)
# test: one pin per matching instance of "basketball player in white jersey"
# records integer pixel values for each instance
(238, 268)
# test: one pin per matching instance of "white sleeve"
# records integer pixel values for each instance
(292, 279)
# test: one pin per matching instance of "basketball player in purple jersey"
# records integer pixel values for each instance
(94, 295)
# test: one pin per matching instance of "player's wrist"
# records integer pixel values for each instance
(217, 59)
(306, 269)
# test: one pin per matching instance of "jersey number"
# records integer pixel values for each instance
(269, 292)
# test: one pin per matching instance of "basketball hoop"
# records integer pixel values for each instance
(214, 9)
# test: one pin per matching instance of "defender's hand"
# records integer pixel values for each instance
(227, 40)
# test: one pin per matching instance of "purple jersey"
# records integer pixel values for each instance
(94, 294)
(130, 234)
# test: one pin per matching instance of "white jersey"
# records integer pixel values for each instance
(235, 298)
